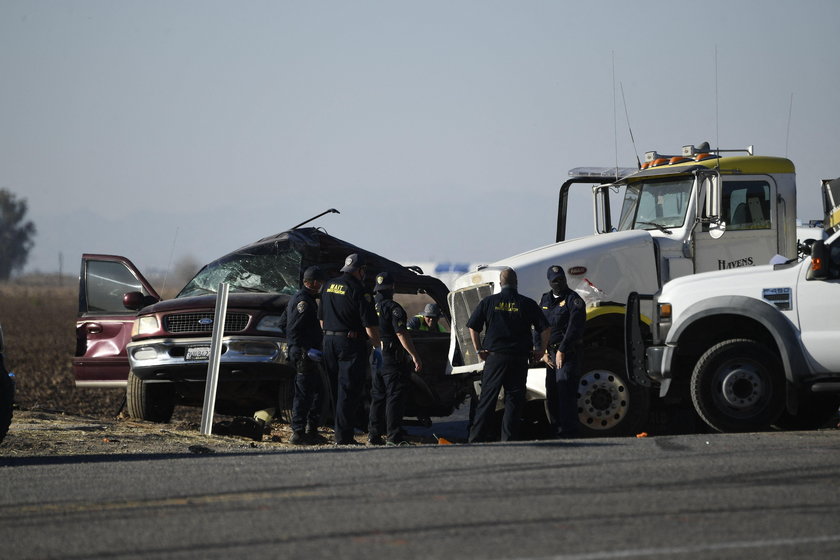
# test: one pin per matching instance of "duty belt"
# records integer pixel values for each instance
(348, 334)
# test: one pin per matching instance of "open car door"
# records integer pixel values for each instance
(103, 324)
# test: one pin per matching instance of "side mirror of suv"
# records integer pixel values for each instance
(137, 301)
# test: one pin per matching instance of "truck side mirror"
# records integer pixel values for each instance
(819, 261)
(711, 189)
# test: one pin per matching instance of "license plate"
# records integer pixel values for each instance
(198, 353)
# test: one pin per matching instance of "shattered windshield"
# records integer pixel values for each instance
(272, 271)
(656, 204)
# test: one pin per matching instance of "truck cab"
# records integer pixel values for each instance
(652, 225)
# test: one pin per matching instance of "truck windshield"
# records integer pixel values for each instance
(271, 272)
(658, 204)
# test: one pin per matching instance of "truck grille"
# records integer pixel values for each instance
(203, 322)
(462, 303)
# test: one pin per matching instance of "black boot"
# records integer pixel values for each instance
(313, 437)
(297, 438)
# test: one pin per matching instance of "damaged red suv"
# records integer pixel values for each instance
(127, 337)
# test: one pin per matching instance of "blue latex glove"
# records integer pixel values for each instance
(377, 358)
(315, 355)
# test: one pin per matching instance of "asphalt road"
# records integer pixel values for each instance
(771, 495)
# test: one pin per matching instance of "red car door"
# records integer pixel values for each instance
(103, 324)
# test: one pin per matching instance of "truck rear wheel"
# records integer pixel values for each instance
(154, 402)
(738, 386)
(609, 404)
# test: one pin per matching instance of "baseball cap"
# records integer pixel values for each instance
(384, 281)
(555, 272)
(353, 263)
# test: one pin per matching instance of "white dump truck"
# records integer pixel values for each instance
(752, 347)
(652, 225)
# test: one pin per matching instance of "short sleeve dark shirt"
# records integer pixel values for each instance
(567, 317)
(509, 318)
(392, 317)
(302, 326)
(346, 305)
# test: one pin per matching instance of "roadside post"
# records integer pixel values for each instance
(209, 407)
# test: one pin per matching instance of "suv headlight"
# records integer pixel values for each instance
(145, 325)
(270, 323)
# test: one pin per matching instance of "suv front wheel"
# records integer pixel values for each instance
(154, 402)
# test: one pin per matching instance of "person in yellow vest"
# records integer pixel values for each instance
(427, 321)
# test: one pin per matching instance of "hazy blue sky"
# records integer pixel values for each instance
(163, 130)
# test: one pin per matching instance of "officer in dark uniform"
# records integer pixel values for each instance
(303, 332)
(349, 322)
(565, 311)
(389, 381)
(506, 350)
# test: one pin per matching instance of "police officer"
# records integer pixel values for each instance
(303, 332)
(565, 311)
(428, 321)
(508, 317)
(349, 321)
(388, 382)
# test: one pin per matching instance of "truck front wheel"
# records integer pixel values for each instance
(609, 404)
(154, 402)
(738, 386)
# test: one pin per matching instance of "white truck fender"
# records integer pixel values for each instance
(778, 326)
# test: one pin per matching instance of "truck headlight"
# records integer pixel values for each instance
(663, 322)
(270, 323)
(145, 325)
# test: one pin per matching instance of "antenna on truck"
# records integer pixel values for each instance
(787, 135)
(330, 211)
(627, 116)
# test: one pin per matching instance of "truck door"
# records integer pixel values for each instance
(748, 207)
(818, 302)
(103, 324)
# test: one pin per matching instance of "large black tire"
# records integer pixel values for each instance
(816, 411)
(738, 386)
(154, 402)
(609, 404)
(7, 400)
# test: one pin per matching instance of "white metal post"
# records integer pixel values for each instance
(215, 358)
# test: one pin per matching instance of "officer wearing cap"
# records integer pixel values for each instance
(427, 321)
(303, 333)
(507, 347)
(349, 321)
(565, 311)
(388, 382)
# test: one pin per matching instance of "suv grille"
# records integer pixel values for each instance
(462, 303)
(203, 322)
